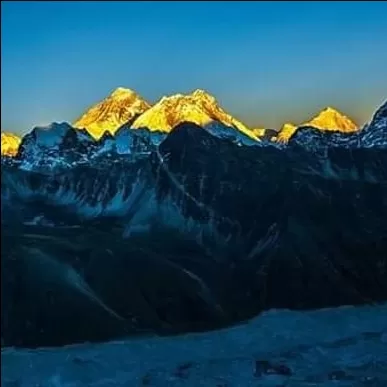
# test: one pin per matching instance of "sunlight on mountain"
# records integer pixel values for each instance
(328, 120)
(121, 106)
(9, 144)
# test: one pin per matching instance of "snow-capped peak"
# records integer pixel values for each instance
(52, 134)
(327, 120)
(122, 93)
(121, 106)
(202, 94)
(331, 119)
(198, 107)
(54, 126)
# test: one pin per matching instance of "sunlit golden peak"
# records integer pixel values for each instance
(120, 107)
(196, 95)
(198, 107)
(330, 119)
(9, 143)
(174, 97)
(330, 109)
(122, 92)
(200, 93)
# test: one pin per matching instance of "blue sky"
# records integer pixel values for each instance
(266, 62)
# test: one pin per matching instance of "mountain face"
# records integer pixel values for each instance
(328, 120)
(137, 141)
(199, 108)
(286, 133)
(331, 120)
(56, 146)
(375, 133)
(120, 107)
(9, 144)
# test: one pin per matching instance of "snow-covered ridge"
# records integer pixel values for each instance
(198, 107)
(143, 132)
(124, 106)
(332, 347)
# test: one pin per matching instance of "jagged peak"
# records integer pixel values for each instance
(53, 126)
(201, 94)
(197, 95)
(50, 135)
(168, 98)
(328, 119)
(122, 92)
(198, 107)
(329, 110)
(118, 108)
(331, 119)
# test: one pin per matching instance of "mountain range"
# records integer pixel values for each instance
(187, 233)
(125, 108)
(162, 225)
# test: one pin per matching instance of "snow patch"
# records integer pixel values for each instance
(330, 347)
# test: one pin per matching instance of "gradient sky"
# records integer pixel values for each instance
(267, 63)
